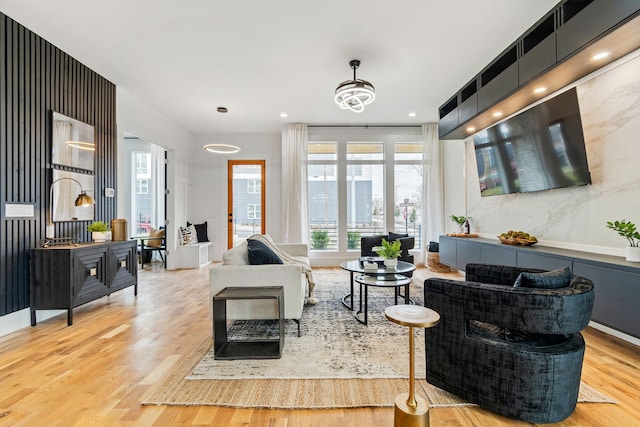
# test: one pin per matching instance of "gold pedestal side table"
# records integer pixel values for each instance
(411, 410)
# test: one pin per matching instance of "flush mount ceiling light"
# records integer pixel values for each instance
(222, 148)
(355, 94)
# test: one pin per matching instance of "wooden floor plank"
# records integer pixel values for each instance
(96, 372)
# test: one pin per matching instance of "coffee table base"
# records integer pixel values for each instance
(409, 416)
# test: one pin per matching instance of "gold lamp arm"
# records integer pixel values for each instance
(83, 199)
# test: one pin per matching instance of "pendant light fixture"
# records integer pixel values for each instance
(355, 94)
(222, 148)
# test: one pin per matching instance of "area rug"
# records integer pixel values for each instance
(336, 363)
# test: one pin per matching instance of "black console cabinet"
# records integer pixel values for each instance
(616, 281)
(64, 277)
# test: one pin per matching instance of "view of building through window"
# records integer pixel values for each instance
(383, 191)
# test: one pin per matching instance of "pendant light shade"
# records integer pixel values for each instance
(222, 148)
(355, 94)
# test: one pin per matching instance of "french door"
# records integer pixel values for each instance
(246, 200)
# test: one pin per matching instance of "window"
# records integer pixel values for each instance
(365, 191)
(363, 182)
(323, 190)
(408, 181)
(143, 162)
(142, 186)
(254, 185)
(254, 211)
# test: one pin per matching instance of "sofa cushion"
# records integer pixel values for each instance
(201, 231)
(554, 279)
(259, 253)
(238, 255)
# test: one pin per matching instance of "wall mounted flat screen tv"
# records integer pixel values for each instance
(539, 149)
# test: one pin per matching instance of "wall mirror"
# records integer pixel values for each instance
(73, 142)
(65, 188)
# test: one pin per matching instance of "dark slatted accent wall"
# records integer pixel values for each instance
(36, 78)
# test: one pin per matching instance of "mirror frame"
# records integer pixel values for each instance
(66, 131)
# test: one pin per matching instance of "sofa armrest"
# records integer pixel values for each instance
(295, 249)
(289, 276)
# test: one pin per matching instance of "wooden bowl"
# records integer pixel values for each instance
(516, 241)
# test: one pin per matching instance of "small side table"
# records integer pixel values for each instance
(411, 410)
(268, 348)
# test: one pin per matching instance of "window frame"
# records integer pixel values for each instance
(341, 135)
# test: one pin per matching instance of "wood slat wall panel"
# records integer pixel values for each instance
(36, 78)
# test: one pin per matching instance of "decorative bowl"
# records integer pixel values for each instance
(516, 241)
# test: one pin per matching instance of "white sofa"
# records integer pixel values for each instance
(235, 270)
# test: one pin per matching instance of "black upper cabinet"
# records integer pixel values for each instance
(558, 37)
(584, 20)
(499, 79)
(448, 116)
(538, 50)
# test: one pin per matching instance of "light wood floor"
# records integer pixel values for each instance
(96, 372)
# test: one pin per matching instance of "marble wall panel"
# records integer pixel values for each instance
(576, 217)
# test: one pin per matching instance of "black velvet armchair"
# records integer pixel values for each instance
(516, 351)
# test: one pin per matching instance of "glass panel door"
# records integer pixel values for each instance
(246, 201)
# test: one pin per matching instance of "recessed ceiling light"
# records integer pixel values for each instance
(601, 55)
(470, 129)
(497, 114)
(540, 89)
(283, 115)
(412, 114)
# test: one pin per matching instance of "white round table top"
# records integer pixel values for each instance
(412, 315)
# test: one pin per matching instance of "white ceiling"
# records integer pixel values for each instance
(262, 58)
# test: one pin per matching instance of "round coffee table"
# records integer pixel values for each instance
(396, 281)
(411, 410)
(355, 266)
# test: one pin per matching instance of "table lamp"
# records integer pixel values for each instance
(83, 199)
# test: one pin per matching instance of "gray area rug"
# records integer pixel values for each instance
(333, 344)
(349, 365)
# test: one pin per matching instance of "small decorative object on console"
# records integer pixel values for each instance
(517, 238)
(628, 230)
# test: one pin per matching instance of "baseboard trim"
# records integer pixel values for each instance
(615, 333)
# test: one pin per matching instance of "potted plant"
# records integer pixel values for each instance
(628, 230)
(98, 231)
(390, 251)
(459, 221)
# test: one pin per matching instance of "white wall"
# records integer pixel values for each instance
(576, 218)
(454, 188)
(208, 184)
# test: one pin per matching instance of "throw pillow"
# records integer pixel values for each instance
(259, 253)
(155, 243)
(548, 280)
(201, 231)
(189, 235)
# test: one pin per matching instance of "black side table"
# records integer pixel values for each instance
(265, 348)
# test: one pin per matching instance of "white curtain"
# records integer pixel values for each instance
(296, 216)
(433, 197)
